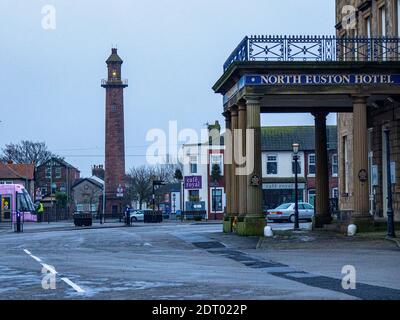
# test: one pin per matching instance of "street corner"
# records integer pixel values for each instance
(305, 239)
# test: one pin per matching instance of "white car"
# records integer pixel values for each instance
(136, 215)
(286, 212)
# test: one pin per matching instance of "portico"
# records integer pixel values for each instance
(315, 85)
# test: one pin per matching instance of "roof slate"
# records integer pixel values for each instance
(282, 138)
(17, 171)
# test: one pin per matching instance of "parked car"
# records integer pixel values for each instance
(286, 212)
(136, 215)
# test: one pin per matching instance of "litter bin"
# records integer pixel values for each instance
(153, 217)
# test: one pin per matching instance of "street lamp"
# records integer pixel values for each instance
(390, 217)
(296, 147)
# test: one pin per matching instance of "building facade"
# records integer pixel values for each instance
(55, 176)
(204, 192)
(115, 136)
(278, 167)
(87, 195)
(371, 19)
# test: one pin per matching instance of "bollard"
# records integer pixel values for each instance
(351, 230)
(268, 232)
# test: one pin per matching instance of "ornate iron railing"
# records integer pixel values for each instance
(314, 48)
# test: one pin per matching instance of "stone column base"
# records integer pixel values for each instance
(321, 220)
(363, 223)
(228, 224)
(250, 226)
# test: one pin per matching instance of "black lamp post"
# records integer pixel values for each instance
(296, 147)
(390, 216)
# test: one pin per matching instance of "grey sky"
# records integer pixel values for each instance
(173, 52)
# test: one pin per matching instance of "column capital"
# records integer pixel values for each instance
(234, 111)
(359, 98)
(227, 114)
(252, 99)
(242, 105)
(322, 114)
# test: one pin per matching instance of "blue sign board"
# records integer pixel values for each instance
(312, 80)
(322, 79)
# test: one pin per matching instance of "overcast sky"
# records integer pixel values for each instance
(173, 52)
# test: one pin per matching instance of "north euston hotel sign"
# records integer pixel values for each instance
(312, 79)
(322, 79)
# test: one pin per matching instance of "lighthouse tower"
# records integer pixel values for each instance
(115, 136)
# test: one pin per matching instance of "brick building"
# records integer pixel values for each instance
(55, 175)
(115, 136)
(371, 19)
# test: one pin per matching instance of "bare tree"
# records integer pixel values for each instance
(140, 181)
(140, 184)
(27, 152)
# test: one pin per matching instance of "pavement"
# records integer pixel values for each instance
(191, 261)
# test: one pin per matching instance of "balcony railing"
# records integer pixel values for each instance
(114, 81)
(314, 48)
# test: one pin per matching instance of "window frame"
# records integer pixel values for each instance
(214, 197)
(58, 173)
(193, 164)
(272, 161)
(335, 164)
(336, 189)
(220, 162)
(309, 164)
(48, 173)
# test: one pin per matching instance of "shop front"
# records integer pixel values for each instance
(275, 194)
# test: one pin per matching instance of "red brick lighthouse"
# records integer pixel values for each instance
(115, 136)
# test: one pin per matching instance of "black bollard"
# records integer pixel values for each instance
(19, 229)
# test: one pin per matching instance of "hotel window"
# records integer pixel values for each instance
(272, 165)
(193, 164)
(58, 172)
(335, 165)
(298, 165)
(48, 172)
(369, 26)
(311, 164)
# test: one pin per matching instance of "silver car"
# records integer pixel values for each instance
(286, 212)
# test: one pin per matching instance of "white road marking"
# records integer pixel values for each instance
(73, 285)
(53, 271)
(35, 258)
(49, 268)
